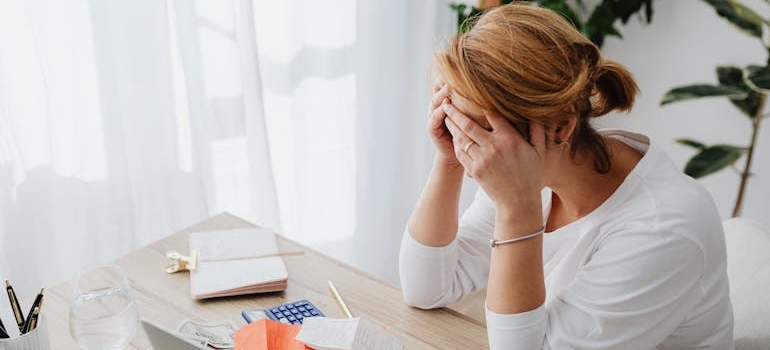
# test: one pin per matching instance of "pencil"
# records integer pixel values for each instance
(14, 305)
(38, 303)
(257, 256)
(31, 321)
(339, 300)
(3, 332)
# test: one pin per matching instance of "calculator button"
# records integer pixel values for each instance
(300, 303)
(300, 317)
(274, 311)
(286, 313)
(283, 320)
(307, 314)
(292, 318)
(314, 312)
(282, 308)
(302, 308)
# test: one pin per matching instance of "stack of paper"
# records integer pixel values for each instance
(323, 333)
(235, 262)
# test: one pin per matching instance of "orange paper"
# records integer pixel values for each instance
(266, 334)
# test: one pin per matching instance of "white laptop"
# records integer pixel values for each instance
(165, 339)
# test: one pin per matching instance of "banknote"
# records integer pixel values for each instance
(201, 341)
(218, 334)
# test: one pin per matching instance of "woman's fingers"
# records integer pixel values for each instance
(502, 125)
(466, 124)
(462, 143)
(436, 118)
(440, 94)
(436, 114)
(437, 85)
(438, 97)
(497, 122)
(453, 129)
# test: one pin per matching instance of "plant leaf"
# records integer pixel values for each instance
(601, 22)
(648, 10)
(738, 14)
(701, 90)
(461, 15)
(692, 143)
(565, 10)
(713, 159)
(465, 18)
(757, 78)
(733, 76)
(624, 9)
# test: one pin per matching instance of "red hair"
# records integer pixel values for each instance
(528, 63)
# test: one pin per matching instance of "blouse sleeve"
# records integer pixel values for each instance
(636, 286)
(635, 289)
(433, 277)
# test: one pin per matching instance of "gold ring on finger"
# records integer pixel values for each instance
(468, 146)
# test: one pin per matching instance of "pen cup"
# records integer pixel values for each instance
(36, 339)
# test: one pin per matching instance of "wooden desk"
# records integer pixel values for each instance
(165, 298)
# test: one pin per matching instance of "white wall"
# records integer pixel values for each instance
(683, 45)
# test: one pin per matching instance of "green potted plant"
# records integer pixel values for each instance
(745, 87)
(596, 25)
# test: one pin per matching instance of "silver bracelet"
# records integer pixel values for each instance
(493, 242)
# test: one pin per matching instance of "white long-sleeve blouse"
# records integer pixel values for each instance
(644, 270)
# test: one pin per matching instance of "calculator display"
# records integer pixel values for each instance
(294, 312)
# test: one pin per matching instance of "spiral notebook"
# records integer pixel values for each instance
(235, 262)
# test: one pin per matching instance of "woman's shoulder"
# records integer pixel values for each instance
(657, 197)
(657, 186)
(671, 206)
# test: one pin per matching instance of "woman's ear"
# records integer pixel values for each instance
(564, 131)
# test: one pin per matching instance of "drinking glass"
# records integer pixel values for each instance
(102, 314)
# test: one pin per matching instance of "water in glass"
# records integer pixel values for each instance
(103, 318)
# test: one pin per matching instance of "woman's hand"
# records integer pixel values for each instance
(505, 165)
(438, 132)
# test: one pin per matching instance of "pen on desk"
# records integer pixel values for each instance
(14, 305)
(300, 252)
(38, 303)
(31, 322)
(339, 300)
(3, 332)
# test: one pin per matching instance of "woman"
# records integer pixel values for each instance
(597, 240)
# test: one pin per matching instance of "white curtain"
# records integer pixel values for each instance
(124, 121)
(120, 123)
(398, 39)
(346, 90)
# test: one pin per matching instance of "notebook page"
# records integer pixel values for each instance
(323, 333)
(230, 244)
(370, 336)
(224, 277)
